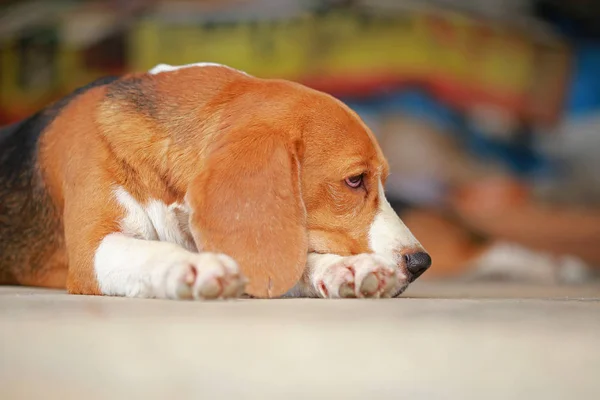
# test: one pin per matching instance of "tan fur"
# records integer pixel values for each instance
(253, 156)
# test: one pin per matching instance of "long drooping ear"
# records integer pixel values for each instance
(247, 203)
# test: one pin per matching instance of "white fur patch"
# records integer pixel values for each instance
(169, 68)
(131, 267)
(363, 275)
(155, 220)
(388, 235)
(171, 223)
(136, 222)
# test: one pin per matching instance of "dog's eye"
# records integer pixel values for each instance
(355, 181)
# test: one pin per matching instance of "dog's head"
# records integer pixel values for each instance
(343, 177)
(288, 171)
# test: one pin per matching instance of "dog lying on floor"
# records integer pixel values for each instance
(183, 181)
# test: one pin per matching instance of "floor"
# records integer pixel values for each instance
(441, 341)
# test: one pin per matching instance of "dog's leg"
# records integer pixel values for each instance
(126, 266)
(363, 275)
(105, 260)
(132, 267)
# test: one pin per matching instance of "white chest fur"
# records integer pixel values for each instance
(155, 220)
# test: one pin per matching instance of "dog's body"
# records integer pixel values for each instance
(139, 186)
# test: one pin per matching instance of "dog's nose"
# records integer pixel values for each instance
(417, 263)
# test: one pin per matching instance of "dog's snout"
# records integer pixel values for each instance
(417, 263)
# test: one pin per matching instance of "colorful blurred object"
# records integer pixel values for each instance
(349, 51)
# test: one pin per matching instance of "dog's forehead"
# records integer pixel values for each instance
(349, 135)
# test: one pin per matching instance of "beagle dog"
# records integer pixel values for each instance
(182, 181)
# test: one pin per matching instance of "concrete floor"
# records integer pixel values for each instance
(442, 341)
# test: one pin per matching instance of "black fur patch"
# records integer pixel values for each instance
(18, 142)
(137, 93)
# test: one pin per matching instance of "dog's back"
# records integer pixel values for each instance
(31, 240)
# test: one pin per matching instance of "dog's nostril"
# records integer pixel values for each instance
(417, 263)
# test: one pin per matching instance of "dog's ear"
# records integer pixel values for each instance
(246, 202)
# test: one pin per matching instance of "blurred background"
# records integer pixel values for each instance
(488, 110)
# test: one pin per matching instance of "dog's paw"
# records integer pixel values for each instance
(363, 275)
(202, 276)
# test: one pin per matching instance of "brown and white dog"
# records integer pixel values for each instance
(177, 182)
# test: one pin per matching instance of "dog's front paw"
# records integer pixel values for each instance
(363, 275)
(200, 276)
